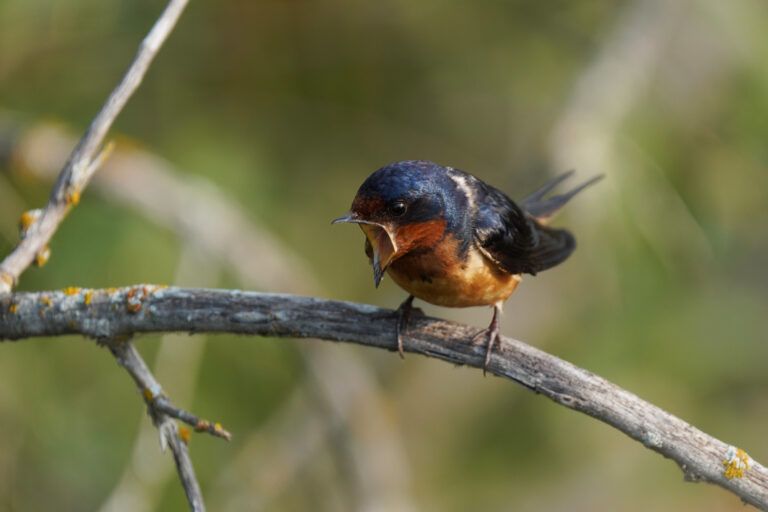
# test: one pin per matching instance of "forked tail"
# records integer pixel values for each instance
(541, 208)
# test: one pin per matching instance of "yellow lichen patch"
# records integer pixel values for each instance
(42, 256)
(736, 463)
(13, 308)
(73, 197)
(185, 434)
(28, 218)
(7, 279)
(46, 301)
(88, 298)
(71, 290)
(148, 396)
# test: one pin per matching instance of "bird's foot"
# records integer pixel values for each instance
(403, 315)
(491, 337)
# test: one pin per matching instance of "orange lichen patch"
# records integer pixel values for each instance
(185, 434)
(213, 428)
(13, 308)
(28, 218)
(88, 297)
(134, 298)
(148, 396)
(42, 256)
(73, 197)
(736, 463)
(71, 290)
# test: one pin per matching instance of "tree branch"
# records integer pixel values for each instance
(130, 359)
(86, 157)
(115, 313)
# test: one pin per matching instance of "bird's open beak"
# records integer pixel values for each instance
(382, 241)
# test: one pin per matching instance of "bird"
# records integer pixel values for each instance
(450, 239)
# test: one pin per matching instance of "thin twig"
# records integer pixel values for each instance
(165, 406)
(130, 359)
(110, 314)
(87, 155)
(176, 364)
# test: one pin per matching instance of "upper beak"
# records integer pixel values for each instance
(350, 217)
(382, 242)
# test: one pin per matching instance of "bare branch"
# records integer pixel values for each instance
(110, 314)
(130, 359)
(87, 156)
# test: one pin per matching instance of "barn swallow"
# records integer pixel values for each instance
(450, 239)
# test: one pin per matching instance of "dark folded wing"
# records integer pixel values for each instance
(514, 240)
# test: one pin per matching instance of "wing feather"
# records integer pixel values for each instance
(513, 239)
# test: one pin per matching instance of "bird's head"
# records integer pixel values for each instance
(401, 208)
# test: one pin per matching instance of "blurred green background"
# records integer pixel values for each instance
(281, 109)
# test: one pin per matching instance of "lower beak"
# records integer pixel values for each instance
(384, 249)
(382, 242)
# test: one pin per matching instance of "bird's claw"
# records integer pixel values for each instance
(403, 315)
(490, 335)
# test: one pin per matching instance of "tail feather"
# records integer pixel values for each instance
(553, 247)
(547, 187)
(542, 208)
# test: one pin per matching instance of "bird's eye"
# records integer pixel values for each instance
(397, 208)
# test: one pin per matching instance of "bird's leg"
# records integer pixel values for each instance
(491, 334)
(403, 314)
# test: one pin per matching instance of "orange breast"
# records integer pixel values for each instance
(439, 277)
